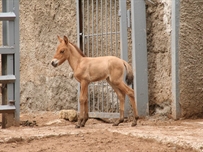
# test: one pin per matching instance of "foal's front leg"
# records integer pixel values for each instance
(83, 116)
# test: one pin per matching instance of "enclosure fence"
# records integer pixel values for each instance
(102, 31)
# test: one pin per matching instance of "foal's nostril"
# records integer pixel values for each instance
(53, 64)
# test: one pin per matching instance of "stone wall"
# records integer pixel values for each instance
(42, 86)
(159, 52)
(191, 57)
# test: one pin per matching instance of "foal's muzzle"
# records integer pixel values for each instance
(54, 62)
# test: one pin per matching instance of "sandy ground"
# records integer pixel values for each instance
(47, 133)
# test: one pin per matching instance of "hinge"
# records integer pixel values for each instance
(128, 19)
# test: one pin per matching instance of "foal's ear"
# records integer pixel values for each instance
(65, 40)
(60, 39)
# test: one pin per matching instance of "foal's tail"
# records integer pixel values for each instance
(129, 76)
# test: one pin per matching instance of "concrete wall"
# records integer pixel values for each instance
(159, 53)
(42, 86)
(191, 57)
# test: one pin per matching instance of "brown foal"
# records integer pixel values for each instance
(91, 69)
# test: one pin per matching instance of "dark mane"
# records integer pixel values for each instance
(79, 51)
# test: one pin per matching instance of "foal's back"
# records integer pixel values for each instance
(99, 68)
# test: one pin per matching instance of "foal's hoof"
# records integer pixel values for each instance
(115, 124)
(77, 126)
(133, 124)
(82, 125)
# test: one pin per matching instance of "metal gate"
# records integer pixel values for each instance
(102, 31)
(100, 36)
(10, 63)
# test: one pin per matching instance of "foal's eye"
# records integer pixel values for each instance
(62, 51)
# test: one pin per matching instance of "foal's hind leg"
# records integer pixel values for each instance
(121, 97)
(130, 92)
(83, 117)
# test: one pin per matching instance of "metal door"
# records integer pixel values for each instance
(102, 30)
(99, 34)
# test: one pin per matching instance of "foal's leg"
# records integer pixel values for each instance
(83, 117)
(121, 97)
(130, 92)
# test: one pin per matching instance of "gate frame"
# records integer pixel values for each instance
(10, 63)
(123, 42)
(139, 51)
(139, 56)
(176, 110)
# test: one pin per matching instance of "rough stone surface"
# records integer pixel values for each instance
(70, 115)
(159, 54)
(42, 86)
(191, 57)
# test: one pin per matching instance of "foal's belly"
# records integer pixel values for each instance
(97, 77)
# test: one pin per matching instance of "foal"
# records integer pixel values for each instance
(91, 69)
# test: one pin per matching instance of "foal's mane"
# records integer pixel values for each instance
(79, 51)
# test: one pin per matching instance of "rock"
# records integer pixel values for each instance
(71, 74)
(70, 115)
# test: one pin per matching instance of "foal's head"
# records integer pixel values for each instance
(62, 52)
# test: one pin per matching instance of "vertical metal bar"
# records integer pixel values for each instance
(97, 24)
(124, 42)
(92, 28)
(17, 63)
(78, 43)
(102, 52)
(106, 30)
(116, 47)
(88, 46)
(102, 26)
(123, 30)
(79, 24)
(98, 86)
(111, 49)
(83, 26)
(111, 28)
(106, 27)
(10, 58)
(139, 56)
(4, 88)
(93, 50)
(176, 111)
(88, 29)
(116, 42)
(4, 63)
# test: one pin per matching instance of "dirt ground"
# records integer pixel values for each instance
(45, 132)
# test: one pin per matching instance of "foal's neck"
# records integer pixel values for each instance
(74, 57)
